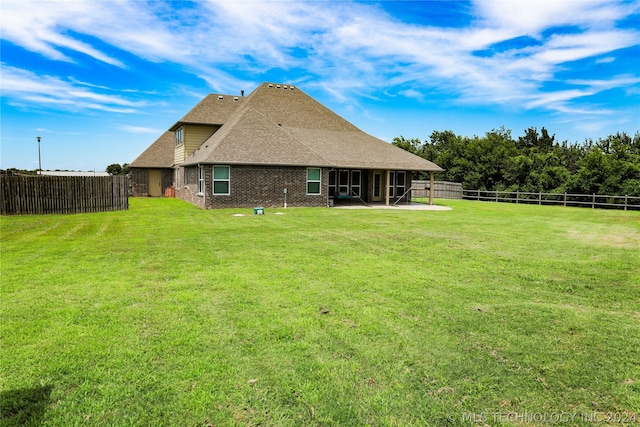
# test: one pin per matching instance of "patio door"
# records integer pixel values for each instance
(377, 187)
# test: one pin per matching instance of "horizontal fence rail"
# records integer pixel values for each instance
(41, 194)
(441, 189)
(565, 199)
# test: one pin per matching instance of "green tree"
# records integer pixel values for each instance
(411, 145)
(114, 169)
(534, 162)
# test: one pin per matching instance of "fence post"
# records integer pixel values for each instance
(565, 199)
(517, 196)
(593, 201)
(478, 195)
(539, 198)
(625, 202)
(496, 195)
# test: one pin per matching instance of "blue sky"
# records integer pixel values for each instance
(99, 81)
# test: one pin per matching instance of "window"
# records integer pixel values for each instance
(221, 179)
(343, 182)
(201, 180)
(332, 183)
(186, 176)
(377, 184)
(392, 183)
(355, 183)
(400, 183)
(313, 180)
(179, 133)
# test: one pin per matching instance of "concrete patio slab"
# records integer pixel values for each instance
(399, 206)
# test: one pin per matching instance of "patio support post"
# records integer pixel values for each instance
(431, 183)
(386, 186)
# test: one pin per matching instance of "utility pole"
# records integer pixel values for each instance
(39, 162)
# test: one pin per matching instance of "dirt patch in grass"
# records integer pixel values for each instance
(615, 237)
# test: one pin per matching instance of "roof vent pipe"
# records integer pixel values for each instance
(242, 92)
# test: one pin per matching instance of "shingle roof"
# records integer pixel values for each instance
(214, 109)
(281, 125)
(157, 155)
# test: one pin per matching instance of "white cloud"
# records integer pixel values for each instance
(40, 27)
(140, 129)
(37, 90)
(565, 48)
(623, 81)
(353, 49)
(533, 17)
(605, 60)
(556, 98)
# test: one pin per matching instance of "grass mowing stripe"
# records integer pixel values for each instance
(169, 315)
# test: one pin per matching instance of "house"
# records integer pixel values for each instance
(275, 146)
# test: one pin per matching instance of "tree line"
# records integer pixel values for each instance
(534, 162)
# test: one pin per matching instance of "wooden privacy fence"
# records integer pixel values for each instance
(441, 189)
(41, 194)
(565, 199)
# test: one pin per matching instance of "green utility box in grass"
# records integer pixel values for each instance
(258, 211)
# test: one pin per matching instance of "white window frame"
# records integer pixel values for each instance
(392, 183)
(179, 136)
(214, 180)
(343, 187)
(403, 186)
(333, 185)
(319, 181)
(201, 176)
(355, 188)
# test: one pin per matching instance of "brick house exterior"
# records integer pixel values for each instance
(275, 146)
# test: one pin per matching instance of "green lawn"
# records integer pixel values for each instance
(170, 315)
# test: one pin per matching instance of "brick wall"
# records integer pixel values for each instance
(188, 188)
(264, 186)
(253, 186)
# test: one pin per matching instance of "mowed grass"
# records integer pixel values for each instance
(170, 315)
